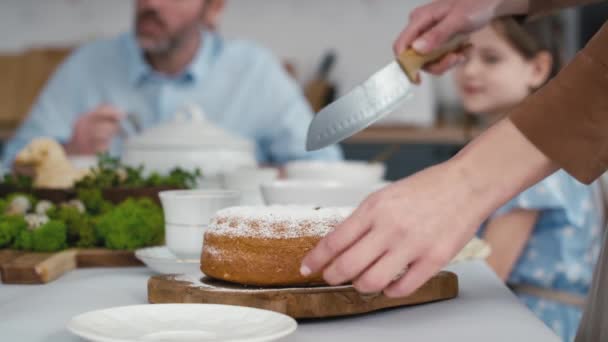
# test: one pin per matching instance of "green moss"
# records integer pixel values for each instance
(20, 182)
(132, 224)
(3, 205)
(50, 237)
(80, 227)
(10, 226)
(94, 202)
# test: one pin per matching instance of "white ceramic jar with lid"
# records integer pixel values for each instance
(190, 141)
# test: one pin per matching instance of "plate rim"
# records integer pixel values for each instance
(139, 254)
(71, 325)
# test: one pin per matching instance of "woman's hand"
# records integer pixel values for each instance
(420, 223)
(423, 221)
(433, 24)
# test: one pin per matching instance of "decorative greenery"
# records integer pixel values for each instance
(111, 173)
(94, 202)
(3, 206)
(80, 226)
(50, 237)
(10, 226)
(132, 224)
(135, 223)
(178, 178)
(20, 182)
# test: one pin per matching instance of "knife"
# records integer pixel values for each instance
(380, 95)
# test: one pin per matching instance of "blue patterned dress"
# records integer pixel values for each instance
(562, 249)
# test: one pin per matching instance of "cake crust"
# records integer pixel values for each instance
(264, 246)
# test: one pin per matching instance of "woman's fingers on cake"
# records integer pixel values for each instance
(402, 218)
(423, 268)
(415, 276)
(354, 261)
(334, 243)
(390, 267)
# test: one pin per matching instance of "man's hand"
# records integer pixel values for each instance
(433, 24)
(94, 130)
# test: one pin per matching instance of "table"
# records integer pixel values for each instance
(484, 311)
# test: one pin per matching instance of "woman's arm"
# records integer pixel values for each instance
(421, 222)
(507, 235)
(566, 119)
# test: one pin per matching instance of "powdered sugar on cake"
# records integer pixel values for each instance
(279, 222)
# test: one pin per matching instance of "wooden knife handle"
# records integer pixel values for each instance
(411, 61)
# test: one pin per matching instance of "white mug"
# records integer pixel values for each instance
(187, 215)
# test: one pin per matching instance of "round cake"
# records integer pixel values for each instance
(264, 246)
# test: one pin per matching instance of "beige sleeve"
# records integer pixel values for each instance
(568, 118)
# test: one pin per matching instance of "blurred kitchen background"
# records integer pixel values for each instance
(347, 39)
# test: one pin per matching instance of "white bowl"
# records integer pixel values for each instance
(342, 171)
(247, 181)
(319, 193)
(187, 215)
(247, 178)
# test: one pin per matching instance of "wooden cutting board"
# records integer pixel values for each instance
(302, 302)
(18, 267)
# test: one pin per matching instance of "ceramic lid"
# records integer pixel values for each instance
(190, 128)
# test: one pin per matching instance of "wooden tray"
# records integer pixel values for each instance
(17, 267)
(303, 302)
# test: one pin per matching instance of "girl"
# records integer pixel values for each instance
(546, 240)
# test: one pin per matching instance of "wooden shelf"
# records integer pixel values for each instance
(456, 135)
(6, 133)
(441, 134)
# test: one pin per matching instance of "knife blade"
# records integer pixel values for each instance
(380, 95)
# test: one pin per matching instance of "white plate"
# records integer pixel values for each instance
(161, 260)
(182, 322)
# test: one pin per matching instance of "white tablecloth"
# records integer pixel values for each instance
(484, 311)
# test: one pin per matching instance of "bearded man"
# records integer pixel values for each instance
(171, 59)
